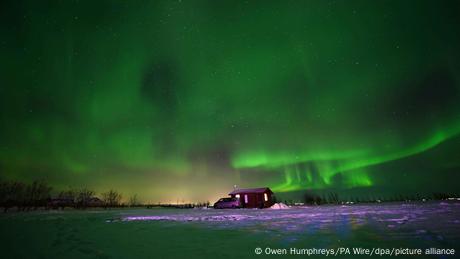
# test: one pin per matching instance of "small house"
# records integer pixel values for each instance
(254, 198)
(95, 202)
(60, 202)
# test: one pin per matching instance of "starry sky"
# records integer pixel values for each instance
(182, 100)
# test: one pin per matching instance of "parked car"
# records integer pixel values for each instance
(227, 203)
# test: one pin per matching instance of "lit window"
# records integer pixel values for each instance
(237, 196)
(245, 198)
(265, 197)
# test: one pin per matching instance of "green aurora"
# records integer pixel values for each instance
(181, 100)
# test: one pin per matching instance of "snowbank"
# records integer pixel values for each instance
(279, 206)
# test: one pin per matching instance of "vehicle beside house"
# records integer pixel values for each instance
(227, 203)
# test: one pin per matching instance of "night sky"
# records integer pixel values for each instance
(181, 100)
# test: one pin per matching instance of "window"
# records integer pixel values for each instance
(265, 197)
(245, 198)
(237, 196)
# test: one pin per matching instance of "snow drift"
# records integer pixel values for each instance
(279, 206)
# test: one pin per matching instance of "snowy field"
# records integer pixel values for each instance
(235, 233)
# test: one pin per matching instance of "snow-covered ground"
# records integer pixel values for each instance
(209, 233)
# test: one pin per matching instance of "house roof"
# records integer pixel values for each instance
(251, 190)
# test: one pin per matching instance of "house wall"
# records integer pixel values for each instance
(270, 202)
(255, 200)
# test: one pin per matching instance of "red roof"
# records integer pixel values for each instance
(252, 190)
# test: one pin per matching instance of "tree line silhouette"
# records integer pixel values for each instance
(311, 198)
(31, 196)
